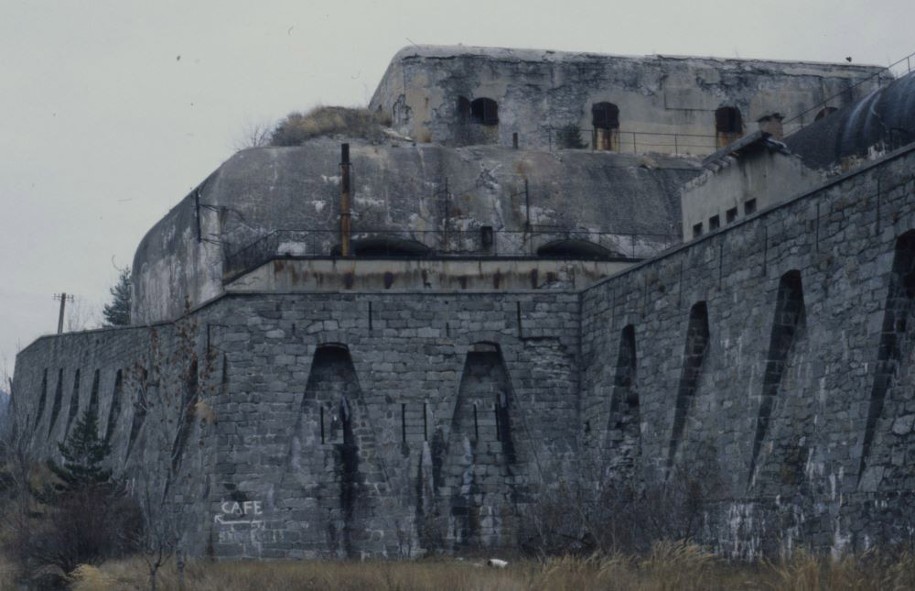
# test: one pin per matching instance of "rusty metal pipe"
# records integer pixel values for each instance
(345, 213)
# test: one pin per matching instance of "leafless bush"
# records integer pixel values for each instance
(609, 516)
(85, 527)
(297, 128)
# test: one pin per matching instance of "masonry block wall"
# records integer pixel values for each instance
(799, 396)
(775, 354)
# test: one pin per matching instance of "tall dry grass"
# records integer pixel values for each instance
(297, 128)
(668, 567)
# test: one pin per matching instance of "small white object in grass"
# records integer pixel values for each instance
(496, 563)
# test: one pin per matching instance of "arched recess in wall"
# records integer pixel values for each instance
(788, 326)
(114, 411)
(624, 424)
(190, 395)
(93, 394)
(42, 401)
(385, 247)
(141, 404)
(605, 121)
(484, 111)
(479, 462)
(694, 353)
(825, 112)
(575, 249)
(74, 402)
(58, 400)
(728, 125)
(333, 427)
(897, 339)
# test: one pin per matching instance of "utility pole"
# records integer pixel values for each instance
(64, 298)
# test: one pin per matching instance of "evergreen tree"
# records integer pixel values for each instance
(117, 313)
(83, 453)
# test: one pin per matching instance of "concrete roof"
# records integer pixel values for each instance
(886, 116)
(547, 55)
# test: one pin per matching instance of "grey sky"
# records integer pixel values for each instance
(114, 110)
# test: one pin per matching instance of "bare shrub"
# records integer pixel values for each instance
(87, 526)
(298, 128)
(584, 517)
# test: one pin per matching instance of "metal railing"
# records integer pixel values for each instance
(428, 244)
(880, 77)
(630, 142)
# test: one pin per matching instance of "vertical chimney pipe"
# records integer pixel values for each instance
(345, 213)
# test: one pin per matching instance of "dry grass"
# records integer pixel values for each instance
(669, 567)
(297, 128)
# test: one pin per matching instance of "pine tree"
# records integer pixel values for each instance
(83, 452)
(117, 313)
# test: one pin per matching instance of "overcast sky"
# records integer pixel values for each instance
(113, 110)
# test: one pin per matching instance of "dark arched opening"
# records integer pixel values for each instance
(385, 247)
(605, 119)
(728, 125)
(575, 249)
(484, 111)
(824, 112)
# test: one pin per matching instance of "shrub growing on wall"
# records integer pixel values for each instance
(298, 128)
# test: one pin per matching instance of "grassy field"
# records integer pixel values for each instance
(670, 567)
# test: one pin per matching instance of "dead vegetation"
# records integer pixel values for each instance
(298, 128)
(668, 566)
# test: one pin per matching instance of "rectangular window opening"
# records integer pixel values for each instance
(714, 223)
(403, 422)
(731, 215)
(749, 207)
(697, 230)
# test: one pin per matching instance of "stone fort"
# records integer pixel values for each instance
(558, 269)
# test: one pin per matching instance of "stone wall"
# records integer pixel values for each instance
(773, 356)
(800, 395)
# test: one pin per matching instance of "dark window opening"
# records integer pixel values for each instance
(697, 230)
(731, 215)
(605, 119)
(385, 247)
(749, 207)
(575, 249)
(484, 111)
(728, 120)
(486, 237)
(605, 116)
(825, 111)
(714, 223)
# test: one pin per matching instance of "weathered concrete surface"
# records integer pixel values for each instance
(346, 421)
(883, 121)
(539, 91)
(760, 174)
(315, 275)
(437, 196)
